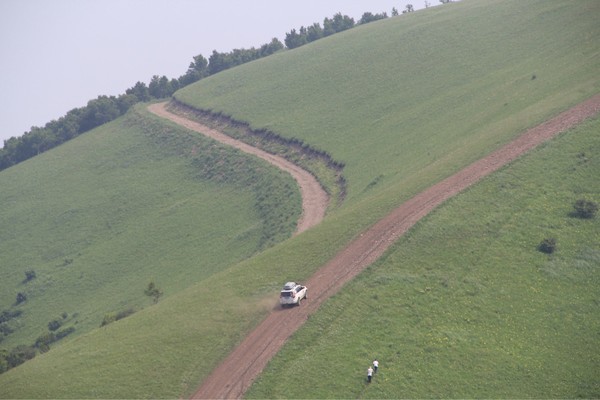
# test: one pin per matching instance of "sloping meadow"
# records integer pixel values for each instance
(97, 219)
(408, 100)
(402, 103)
(466, 305)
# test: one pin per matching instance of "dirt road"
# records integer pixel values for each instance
(236, 373)
(314, 198)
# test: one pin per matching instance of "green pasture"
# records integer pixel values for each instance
(403, 103)
(465, 305)
(135, 201)
(406, 101)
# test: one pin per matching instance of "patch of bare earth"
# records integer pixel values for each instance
(237, 372)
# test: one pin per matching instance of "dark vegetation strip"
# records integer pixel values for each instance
(321, 164)
(9, 321)
(104, 108)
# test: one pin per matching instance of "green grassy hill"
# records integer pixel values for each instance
(407, 100)
(132, 202)
(465, 305)
(402, 103)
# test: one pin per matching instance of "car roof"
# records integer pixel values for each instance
(289, 285)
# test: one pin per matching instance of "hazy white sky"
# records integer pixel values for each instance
(55, 55)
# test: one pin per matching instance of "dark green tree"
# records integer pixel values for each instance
(140, 91)
(197, 70)
(21, 297)
(217, 62)
(3, 361)
(54, 325)
(160, 87)
(270, 48)
(125, 102)
(29, 275)
(314, 32)
(294, 39)
(370, 17)
(18, 355)
(153, 291)
(585, 208)
(339, 23)
(99, 111)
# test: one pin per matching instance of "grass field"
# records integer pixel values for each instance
(465, 306)
(416, 97)
(102, 216)
(402, 103)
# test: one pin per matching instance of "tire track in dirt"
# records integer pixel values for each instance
(238, 370)
(314, 198)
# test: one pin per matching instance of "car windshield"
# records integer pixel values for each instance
(286, 294)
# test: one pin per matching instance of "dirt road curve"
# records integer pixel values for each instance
(314, 198)
(236, 373)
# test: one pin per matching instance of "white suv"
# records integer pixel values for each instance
(291, 294)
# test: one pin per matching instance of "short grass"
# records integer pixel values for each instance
(135, 201)
(402, 102)
(464, 305)
(409, 100)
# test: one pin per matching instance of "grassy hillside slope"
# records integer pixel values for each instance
(402, 102)
(132, 202)
(465, 306)
(411, 99)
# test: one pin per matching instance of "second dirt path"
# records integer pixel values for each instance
(238, 370)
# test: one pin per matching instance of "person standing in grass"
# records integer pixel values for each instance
(375, 365)
(369, 374)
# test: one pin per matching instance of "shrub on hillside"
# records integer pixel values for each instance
(43, 341)
(124, 313)
(64, 332)
(54, 325)
(7, 315)
(3, 361)
(547, 246)
(585, 208)
(153, 291)
(29, 275)
(108, 318)
(19, 355)
(5, 330)
(21, 297)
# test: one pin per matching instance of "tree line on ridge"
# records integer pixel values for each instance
(104, 109)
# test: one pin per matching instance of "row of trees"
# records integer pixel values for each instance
(330, 26)
(296, 38)
(107, 108)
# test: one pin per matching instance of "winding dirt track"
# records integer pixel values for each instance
(314, 198)
(236, 373)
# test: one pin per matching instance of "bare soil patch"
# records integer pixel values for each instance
(239, 369)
